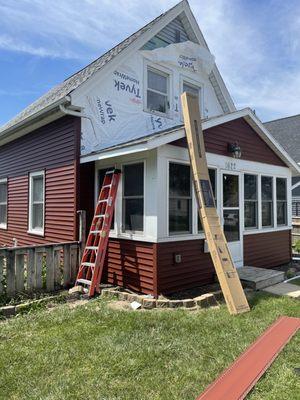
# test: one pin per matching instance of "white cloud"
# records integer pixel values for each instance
(256, 44)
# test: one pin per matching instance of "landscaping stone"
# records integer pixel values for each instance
(149, 304)
(162, 303)
(132, 297)
(175, 303)
(76, 289)
(123, 296)
(188, 303)
(206, 300)
(8, 311)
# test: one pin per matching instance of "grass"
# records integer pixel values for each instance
(295, 282)
(93, 352)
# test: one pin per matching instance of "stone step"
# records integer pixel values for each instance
(259, 278)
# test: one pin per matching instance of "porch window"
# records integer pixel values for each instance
(133, 197)
(281, 199)
(180, 199)
(3, 203)
(157, 91)
(36, 202)
(212, 177)
(250, 201)
(267, 201)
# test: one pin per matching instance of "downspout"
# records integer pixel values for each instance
(79, 114)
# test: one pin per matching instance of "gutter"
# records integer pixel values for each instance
(79, 114)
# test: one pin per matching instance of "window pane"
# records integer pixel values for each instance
(134, 213)
(281, 213)
(267, 213)
(267, 188)
(3, 192)
(180, 215)
(231, 225)
(212, 178)
(38, 190)
(250, 187)
(3, 213)
(156, 102)
(101, 175)
(250, 214)
(281, 188)
(157, 81)
(190, 89)
(179, 180)
(134, 179)
(37, 216)
(230, 190)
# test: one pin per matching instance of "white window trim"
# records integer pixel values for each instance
(163, 71)
(36, 231)
(258, 204)
(274, 213)
(127, 233)
(281, 201)
(4, 225)
(185, 79)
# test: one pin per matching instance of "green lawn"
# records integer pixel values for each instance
(93, 352)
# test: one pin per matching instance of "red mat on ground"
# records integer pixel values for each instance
(237, 381)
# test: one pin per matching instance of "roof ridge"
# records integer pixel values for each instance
(279, 119)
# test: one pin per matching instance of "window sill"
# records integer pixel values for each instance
(267, 230)
(3, 226)
(36, 233)
(159, 114)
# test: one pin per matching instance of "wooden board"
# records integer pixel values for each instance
(228, 277)
(237, 381)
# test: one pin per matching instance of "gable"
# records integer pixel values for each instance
(253, 147)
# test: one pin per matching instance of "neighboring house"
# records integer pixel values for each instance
(124, 110)
(287, 132)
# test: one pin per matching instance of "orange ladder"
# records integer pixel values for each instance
(91, 268)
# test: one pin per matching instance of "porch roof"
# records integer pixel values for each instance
(154, 140)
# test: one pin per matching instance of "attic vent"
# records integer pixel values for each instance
(177, 36)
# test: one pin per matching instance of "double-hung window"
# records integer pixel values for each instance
(281, 199)
(36, 202)
(157, 91)
(3, 203)
(180, 199)
(267, 201)
(133, 197)
(250, 201)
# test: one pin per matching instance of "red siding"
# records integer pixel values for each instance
(267, 250)
(130, 264)
(253, 147)
(54, 149)
(195, 269)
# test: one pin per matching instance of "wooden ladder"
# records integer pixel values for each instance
(227, 274)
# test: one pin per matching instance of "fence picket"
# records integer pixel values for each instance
(31, 276)
(39, 256)
(20, 259)
(10, 273)
(2, 258)
(50, 268)
(73, 260)
(67, 267)
(56, 266)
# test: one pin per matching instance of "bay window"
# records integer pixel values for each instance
(250, 201)
(281, 201)
(3, 203)
(36, 202)
(133, 197)
(180, 199)
(157, 91)
(267, 201)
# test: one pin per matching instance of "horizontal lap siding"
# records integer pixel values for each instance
(53, 149)
(267, 250)
(130, 264)
(195, 269)
(252, 146)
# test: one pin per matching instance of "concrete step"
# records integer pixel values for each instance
(259, 278)
(284, 289)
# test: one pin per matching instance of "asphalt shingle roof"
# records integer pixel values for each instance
(63, 89)
(287, 132)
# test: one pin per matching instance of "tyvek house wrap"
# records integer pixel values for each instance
(117, 105)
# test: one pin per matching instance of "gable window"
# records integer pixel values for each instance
(267, 201)
(180, 199)
(250, 201)
(281, 200)
(3, 203)
(133, 197)
(157, 91)
(189, 88)
(212, 177)
(36, 202)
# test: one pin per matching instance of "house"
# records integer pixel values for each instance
(287, 132)
(124, 110)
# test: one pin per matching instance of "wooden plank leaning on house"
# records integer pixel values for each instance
(228, 277)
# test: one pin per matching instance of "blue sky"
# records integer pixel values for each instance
(256, 45)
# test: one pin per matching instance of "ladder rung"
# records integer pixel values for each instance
(88, 264)
(106, 186)
(100, 216)
(92, 247)
(84, 281)
(102, 201)
(95, 232)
